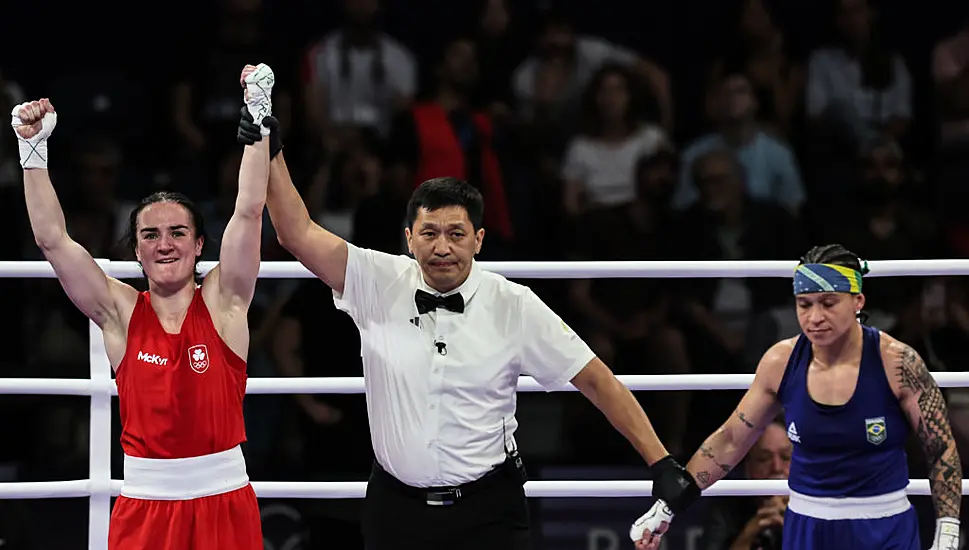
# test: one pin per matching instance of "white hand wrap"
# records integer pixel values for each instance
(946, 534)
(33, 151)
(651, 521)
(258, 96)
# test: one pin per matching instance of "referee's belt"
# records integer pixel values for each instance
(447, 496)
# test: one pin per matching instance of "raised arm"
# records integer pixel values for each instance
(239, 256)
(98, 296)
(730, 443)
(923, 404)
(322, 252)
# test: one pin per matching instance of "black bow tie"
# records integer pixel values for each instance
(428, 302)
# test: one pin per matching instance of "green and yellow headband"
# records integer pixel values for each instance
(810, 278)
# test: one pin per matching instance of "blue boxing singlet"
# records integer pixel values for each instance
(849, 470)
(852, 450)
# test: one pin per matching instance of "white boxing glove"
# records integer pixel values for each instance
(32, 130)
(946, 534)
(652, 521)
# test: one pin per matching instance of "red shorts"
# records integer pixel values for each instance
(225, 521)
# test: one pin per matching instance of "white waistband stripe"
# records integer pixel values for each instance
(881, 506)
(184, 478)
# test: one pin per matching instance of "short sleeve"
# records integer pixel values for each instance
(551, 353)
(367, 272)
(573, 167)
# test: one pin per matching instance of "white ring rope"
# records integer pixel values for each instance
(100, 487)
(357, 489)
(557, 270)
(346, 385)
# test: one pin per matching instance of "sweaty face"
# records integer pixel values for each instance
(444, 243)
(827, 316)
(167, 246)
(770, 457)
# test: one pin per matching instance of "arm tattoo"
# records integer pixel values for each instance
(703, 478)
(707, 453)
(934, 433)
(743, 418)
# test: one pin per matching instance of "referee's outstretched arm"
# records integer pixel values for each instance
(322, 252)
(597, 382)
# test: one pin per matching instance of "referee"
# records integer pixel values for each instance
(443, 345)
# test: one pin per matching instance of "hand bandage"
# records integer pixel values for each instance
(258, 84)
(651, 521)
(33, 150)
(946, 534)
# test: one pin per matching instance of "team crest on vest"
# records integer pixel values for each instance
(875, 430)
(198, 358)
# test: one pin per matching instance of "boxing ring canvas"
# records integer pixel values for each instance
(99, 487)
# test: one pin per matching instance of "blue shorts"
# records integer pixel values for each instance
(898, 532)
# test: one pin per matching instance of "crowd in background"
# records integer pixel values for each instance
(708, 130)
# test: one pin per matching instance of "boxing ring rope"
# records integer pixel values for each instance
(99, 488)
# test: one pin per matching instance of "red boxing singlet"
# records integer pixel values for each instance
(181, 394)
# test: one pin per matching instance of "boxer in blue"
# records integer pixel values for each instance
(850, 395)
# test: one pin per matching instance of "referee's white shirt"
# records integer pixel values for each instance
(445, 419)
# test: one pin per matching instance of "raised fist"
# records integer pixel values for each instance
(33, 123)
(31, 119)
(258, 81)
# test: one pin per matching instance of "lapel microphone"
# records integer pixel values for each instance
(441, 347)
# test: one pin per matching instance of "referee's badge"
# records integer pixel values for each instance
(875, 430)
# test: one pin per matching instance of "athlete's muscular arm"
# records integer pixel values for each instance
(730, 443)
(322, 252)
(925, 407)
(98, 296)
(239, 256)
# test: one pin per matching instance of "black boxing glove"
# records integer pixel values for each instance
(674, 484)
(249, 133)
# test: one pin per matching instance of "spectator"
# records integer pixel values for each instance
(857, 88)
(726, 223)
(626, 321)
(447, 137)
(551, 81)
(356, 77)
(498, 41)
(753, 523)
(600, 164)
(950, 71)
(758, 48)
(771, 172)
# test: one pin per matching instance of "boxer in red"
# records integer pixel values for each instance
(178, 350)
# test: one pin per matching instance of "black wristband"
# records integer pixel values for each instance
(674, 484)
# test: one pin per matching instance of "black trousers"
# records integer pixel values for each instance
(491, 514)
